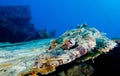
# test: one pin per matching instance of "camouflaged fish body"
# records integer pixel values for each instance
(44, 56)
(72, 45)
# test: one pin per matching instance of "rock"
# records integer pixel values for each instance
(108, 64)
(80, 69)
(15, 25)
(52, 33)
(15, 14)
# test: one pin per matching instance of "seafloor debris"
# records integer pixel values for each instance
(82, 43)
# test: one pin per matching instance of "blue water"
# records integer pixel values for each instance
(63, 15)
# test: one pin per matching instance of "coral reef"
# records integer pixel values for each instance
(16, 26)
(45, 56)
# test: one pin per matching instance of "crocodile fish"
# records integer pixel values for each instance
(43, 56)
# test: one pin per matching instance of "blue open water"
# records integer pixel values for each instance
(62, 15)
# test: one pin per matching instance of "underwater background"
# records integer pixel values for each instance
(27, 20)
(67, 14)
